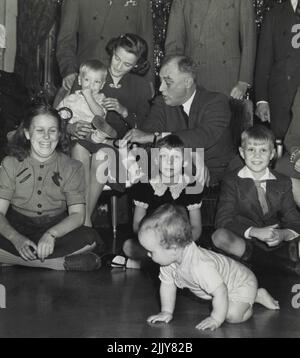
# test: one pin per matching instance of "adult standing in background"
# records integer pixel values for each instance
(278, 66)
(220, 37)
(87, 25)
(289, 164)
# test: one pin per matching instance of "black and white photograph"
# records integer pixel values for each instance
(150, 171)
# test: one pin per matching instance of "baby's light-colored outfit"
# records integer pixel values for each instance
(77, 103)
(203, 271)
(79, 106)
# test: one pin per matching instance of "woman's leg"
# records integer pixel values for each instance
(78, 241)
(296, 190)
(82, 154)
(98, 179)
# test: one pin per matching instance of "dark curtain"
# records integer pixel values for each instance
(35, 19)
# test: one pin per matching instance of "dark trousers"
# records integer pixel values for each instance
(34, 228)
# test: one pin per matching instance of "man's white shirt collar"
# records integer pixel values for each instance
(187, 105)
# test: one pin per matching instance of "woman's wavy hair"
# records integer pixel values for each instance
(133, 44)
(19, 146)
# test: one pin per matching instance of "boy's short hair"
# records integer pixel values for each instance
(259, 133)
(94, 65)
(171, 222)
(170, 141)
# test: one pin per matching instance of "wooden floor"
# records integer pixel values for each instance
(116, 303)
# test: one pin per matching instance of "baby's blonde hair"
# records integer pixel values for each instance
(94, 65)
(172, 224)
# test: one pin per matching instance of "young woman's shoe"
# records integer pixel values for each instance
(88, 261)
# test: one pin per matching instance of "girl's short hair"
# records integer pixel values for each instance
(171, 222)
(134, 44)
(94, 65)
(19, 146)
(260, 133)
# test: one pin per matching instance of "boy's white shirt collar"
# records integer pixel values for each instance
(187, 105)
(245, 172)
(160, 188)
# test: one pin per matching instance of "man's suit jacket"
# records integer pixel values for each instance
(277, 73)
(208, 127)
(219, 36)
(239, 208)
(95, 22)
(292, 138)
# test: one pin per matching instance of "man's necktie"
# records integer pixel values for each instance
(261, 196)
(297, 10)
(185, 116)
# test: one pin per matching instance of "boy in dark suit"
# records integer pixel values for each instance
(256, 211)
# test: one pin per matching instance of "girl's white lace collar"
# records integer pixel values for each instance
(160, 188)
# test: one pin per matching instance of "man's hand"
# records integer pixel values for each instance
(209, 323)
(138, 136)
(68, 81)
(161, 317)
(79, 129)
(263, 112)
(26, 248)
(239, 90)
(45, 246)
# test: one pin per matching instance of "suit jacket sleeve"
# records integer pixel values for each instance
(209, 124)
(227, 215)
(156, 121)
(264, 60)
(248, 41)
(145, 30)
(290, 215)
(67, 38)
(175, 40)
(292, 138)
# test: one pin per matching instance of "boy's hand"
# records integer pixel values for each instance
(87, 92)
(268, 234)
(285, 234)
(209, 323)
(161, 317)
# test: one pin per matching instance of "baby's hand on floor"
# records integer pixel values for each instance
(161, 317)
(208, 323)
